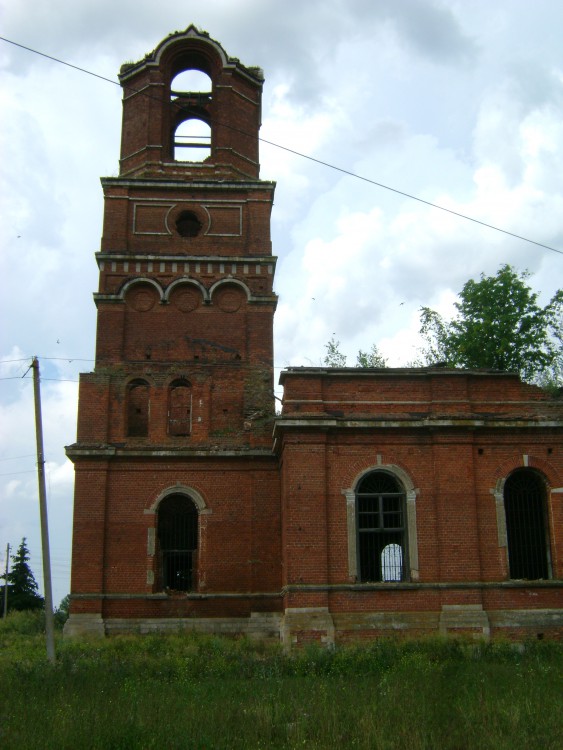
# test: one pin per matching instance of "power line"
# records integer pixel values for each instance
(57, 60)
(14, 473)
(64, 359)
(60, 380)
(16, 458)
(342, 170)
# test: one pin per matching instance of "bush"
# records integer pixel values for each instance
(25, 622)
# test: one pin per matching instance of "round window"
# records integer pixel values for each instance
(188, 225)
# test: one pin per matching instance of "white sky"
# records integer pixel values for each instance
(456, 101)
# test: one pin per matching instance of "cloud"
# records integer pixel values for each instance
(457, 103)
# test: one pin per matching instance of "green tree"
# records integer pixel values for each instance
(333, 356)
(499, 325)
(22, 586)
(373, 358)
(62, 611)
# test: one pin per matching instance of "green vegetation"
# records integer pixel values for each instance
(498, 325)
(335, 358)
(192, 691)
(22, 586)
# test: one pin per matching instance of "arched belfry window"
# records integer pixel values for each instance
(190, 95)
(177, 542)
(381, 528)
(179, 408)
(191, 83)
(137, 408)
(192, 140)
(525, 500)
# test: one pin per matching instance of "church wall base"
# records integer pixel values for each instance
(300, 626)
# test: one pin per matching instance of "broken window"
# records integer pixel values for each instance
(526, 525)
(187, 224)
(380, 509)
(180, 408)
(177, 542)
(138, 408)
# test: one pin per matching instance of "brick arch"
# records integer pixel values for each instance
(180, 489)
(229, 282)
(525, 461)
(397, 471)
(186, 282)
(191, 49)
(142, 280)
(148, 378)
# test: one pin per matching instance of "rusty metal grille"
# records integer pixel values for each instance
(526, 527)
(380, 507)
(177, 540)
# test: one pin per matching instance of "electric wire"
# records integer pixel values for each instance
(321, 162)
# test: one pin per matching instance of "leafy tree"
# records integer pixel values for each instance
(373, 358)
(499, 325)
(333, 356)
(61, 613)
(22, 586)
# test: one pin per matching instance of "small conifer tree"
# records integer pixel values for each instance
(22, 586)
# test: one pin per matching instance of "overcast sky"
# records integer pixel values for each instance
(458, 102)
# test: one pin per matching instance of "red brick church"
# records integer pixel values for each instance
(380, 501)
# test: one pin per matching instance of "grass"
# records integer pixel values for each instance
(194, 692)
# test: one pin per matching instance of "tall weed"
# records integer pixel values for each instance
(198, 691)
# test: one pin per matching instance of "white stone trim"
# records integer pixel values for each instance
(411, 524)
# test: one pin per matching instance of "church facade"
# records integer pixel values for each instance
(380, 501)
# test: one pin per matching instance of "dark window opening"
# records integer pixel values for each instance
(188, 225)
(380, 508)
(138, 409)
(180, 408)
(177, 543)
(526, 525)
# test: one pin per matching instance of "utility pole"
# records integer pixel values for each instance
(6, 580)
(49, 619)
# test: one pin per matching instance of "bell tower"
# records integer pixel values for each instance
(183, 375)
(185, 301)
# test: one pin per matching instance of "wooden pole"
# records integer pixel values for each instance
(49, 618)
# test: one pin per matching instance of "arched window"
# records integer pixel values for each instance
(180, 408)
(191, 83)
(190, 96)
(526, 525)
(192, 140)
(381, 528)
(138, 408)
(177, 543)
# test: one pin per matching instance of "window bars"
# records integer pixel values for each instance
(177, 540)
(526, 525)
(380, 507)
